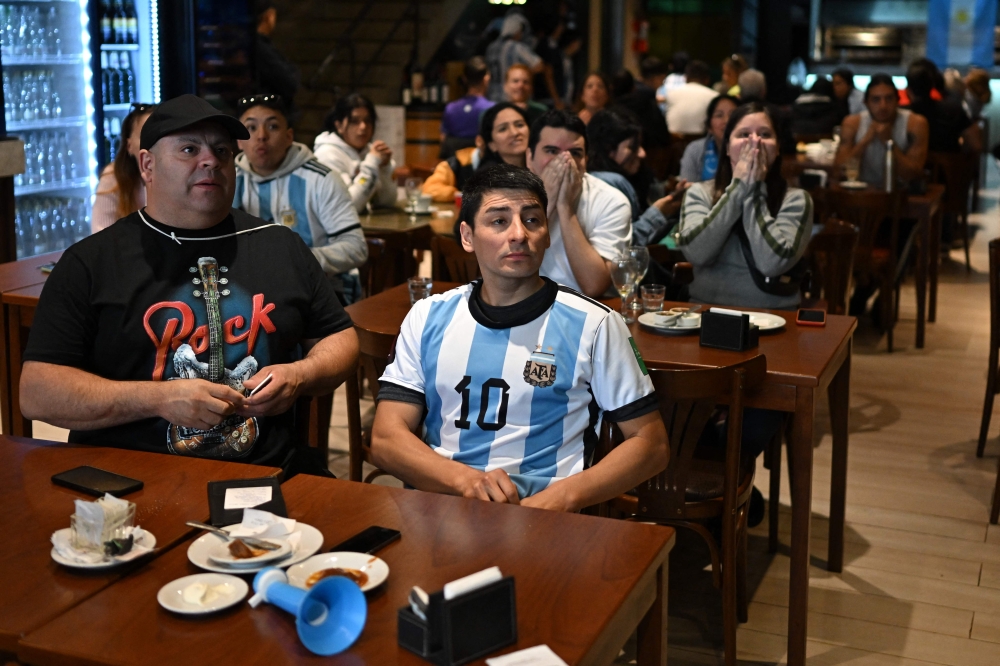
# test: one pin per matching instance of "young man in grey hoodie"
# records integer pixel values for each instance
(279, 180)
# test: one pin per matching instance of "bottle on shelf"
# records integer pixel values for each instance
(107, 23)
(131, 22)
(127, 79)
(114, 79)
(119, 23)
(116, 136)
(105, 79)
(107, 140)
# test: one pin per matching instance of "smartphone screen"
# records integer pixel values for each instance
(94, 481)
(811, 316)
(368, 541)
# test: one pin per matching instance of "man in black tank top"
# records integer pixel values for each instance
(152, 333)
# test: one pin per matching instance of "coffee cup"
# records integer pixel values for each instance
(423, 204)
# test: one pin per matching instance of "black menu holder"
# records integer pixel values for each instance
(728, 331)
(220, 516)
(462, 629)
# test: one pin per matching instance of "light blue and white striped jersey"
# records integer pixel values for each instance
(311, 200)
(522, 392)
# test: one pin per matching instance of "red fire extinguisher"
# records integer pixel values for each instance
(641, 42)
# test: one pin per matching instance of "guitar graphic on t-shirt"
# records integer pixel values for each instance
(235, 435)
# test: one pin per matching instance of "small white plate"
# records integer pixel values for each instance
(230, 590)
(766, 321)
(309, 544)
(220, 554)
(853, 185)
(146, 540)
(376, 569)
(651, 321)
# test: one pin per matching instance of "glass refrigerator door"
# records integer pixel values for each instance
(48, 103)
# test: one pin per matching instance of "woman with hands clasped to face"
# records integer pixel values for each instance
(748, 198)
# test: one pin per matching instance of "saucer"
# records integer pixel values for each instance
(230, 591)
(309, 544)
(377, 569)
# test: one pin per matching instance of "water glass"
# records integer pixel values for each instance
(413, 192)
(623, 275)
(420, 288)
(652, 297)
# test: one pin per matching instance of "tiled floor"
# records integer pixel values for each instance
(921, 581)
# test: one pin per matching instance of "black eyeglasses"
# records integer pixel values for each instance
(140, 106)
(268, 100)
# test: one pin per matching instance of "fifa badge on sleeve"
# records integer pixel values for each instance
(540, 370)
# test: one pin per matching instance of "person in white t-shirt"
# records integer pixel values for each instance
(590, 222)
(688, 104)
(496, 388)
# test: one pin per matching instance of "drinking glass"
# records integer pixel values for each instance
(852, 169)
(623, 272)
(652, 297)
(413, 193)
(420, 288)
(640, 253)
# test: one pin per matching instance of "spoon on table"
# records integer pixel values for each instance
(253, 542)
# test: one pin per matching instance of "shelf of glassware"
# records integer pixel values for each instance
(47, 123)
(117, 107)
(34, 60)
(119, 47)
(53, 186)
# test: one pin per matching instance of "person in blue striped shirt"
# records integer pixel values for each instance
(510, 375)
(279, 180)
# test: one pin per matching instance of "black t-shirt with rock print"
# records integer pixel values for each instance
(130, 303)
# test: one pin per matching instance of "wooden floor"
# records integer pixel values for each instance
(921, 581)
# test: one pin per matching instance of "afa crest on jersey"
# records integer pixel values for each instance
(540, 370)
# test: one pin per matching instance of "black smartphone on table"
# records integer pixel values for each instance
(369, 541)
(806, 317)
(97, 482)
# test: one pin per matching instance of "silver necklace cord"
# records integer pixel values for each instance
(177, 239)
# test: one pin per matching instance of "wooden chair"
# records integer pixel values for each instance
(957, 172)
(981, 164)
(831, 260)
(868, 210)
(698, 485)
(390, 262)
(682, 270)
(450, 262)
(374, 357)
(993, 369)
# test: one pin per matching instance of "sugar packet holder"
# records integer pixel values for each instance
(227, 499)
(466, 620)
(728, 329)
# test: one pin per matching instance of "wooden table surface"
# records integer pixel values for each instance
(36, 589)
(583, 584)
(802, 363)
(26, 272)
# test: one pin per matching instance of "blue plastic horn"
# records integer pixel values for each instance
(329, 617)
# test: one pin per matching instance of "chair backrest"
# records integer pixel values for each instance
(831, 259)
(374, 351)
(995, 292)
(866, 210)
(450, 262)
(955, 171)
(687, 400)
(384, 266)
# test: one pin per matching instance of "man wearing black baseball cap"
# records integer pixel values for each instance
(152, 333)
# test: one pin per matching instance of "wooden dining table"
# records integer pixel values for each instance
(16, 275)
(802, 364)
(583, 586)
(35, 588)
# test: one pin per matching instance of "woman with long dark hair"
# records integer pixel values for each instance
(120, 191)
(747, 228)
(503, 138)
(594, 96)
(615, 154)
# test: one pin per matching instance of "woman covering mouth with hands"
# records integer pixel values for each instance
(747, 225)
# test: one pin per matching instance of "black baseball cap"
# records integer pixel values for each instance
(184, 111)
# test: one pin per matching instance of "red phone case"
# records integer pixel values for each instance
(802, 322)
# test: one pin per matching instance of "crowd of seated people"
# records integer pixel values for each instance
(550, 198)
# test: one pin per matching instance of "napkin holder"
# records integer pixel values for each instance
(462, 629)
(220, 516)
(728, 329)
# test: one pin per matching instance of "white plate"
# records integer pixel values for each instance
(766, 321)
(377, 569)
(310, 543)
(147, 540)
(853, 185)
(651, 321)
(231, 590)
(220, 554)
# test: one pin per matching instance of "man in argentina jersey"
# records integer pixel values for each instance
(279, 180)
(511, 374)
